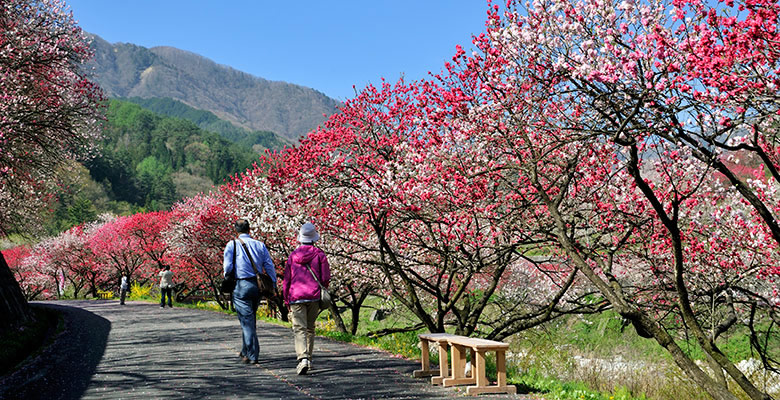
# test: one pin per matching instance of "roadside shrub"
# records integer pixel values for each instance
(141, 292)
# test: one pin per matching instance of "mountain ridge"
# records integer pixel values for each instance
(127, 70)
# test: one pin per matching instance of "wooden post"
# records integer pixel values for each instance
(444, 368)
(501, 367)
(426, 363)
(480, 369)
(458, 367)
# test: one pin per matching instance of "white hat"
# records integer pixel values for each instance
(308, 233)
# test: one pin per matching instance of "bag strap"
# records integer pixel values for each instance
(246, 249)
(308, 266)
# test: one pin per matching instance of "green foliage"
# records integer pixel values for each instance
(206, 120)
(735, 344)
(144, 155)
(79, 199)
(535, 382)
(598, 334)
(403, 344)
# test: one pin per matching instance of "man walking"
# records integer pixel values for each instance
(247, 257)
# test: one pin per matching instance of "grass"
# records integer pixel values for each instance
(28, 339)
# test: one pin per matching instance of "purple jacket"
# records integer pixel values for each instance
(298, 282)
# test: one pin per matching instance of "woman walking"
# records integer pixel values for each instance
(307, 268)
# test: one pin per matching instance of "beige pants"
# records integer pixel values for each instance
(303, 317)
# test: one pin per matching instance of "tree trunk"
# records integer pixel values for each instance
(717, 370)
(646, 326)
(334, 312)
(14, 309)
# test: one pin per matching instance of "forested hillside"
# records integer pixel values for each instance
(258, 140)
(146, 162)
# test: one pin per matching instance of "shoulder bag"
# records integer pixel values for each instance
(229, 283)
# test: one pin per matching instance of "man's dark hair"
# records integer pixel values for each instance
(242, 226)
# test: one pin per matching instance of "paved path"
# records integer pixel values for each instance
(141, 351)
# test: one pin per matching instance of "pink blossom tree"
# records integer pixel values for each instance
(116, 247)
(617, 124)
(197, 233)
(33, 283)
(47, 113)
(78, 262)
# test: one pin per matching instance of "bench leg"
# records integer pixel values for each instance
(479, 369)
(482, 383)
(444, 369)
(458, 368)
(426, 364)
(501, 368)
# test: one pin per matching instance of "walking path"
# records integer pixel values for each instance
(142, 351)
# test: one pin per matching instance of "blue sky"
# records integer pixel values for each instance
(326, 45)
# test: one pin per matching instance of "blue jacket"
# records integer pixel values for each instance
(260, 256)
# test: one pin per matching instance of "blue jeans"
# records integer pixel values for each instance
(163, 293)
(246, 298)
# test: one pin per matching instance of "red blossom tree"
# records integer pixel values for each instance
(117, 245)
(398, 196)
(81, 268)
(33, 283)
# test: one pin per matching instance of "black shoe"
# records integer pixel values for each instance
(245, 360)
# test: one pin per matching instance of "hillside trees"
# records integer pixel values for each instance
(257, 140)
(47, 114)
(152, 161)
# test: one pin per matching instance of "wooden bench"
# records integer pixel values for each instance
(457, 374)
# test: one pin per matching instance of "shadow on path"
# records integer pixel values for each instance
(64, 367)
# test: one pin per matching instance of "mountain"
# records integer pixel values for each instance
(206, 120)
(127, 70)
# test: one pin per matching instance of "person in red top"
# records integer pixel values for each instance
(302, 291)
